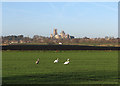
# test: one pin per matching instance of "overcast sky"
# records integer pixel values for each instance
(79, 19)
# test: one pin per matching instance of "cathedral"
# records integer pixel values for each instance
(62, 35)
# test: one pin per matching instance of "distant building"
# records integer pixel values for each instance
(51, 35)
(13, 41)
(57, 36)
(21, 41)
(60, 43)
(62, 35)
(55, 32)
(67, 36)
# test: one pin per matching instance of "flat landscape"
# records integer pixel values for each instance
(85, 67)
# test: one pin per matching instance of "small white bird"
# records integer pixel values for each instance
(37, 62)
(67, 62)
(56, 61)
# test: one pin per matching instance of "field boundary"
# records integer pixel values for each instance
(57, 47)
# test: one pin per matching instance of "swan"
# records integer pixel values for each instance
(37, 62)
(67, 62)
(56, 61)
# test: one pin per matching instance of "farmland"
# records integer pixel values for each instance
(86, 67)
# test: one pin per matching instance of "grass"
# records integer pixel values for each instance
(86, 67)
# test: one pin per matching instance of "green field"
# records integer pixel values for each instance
(86, 67)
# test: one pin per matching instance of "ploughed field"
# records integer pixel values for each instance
(85, 67)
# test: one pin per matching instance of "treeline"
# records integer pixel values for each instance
(36, 39)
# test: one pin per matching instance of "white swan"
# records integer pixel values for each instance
(56, 61)
(37, 62)
(67, 62)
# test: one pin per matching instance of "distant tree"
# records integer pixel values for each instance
(86, 37)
